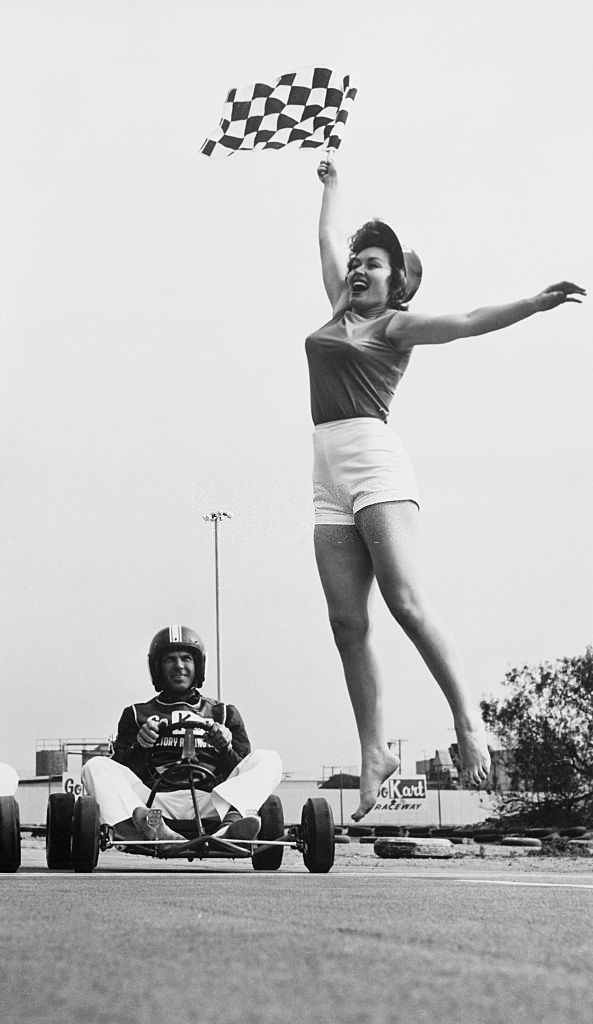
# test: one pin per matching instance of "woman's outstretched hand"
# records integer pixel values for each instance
(556, 294)
(327, 173)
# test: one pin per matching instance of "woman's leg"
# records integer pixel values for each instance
(390, 532)
(346, 573)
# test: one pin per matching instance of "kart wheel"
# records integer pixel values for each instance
(10, 834)
(58, 835)
(86, 829)
(272, 827)
(317, 834)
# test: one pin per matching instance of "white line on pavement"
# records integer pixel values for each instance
(226, 874)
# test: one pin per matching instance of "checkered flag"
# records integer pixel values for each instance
(309, 107)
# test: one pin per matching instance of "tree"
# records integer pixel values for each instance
(545, 723)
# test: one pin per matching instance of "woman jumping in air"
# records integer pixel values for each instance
(365, 492)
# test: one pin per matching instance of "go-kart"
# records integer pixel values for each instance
(75, 836)
(10, 825)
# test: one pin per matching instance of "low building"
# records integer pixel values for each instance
(440, 770)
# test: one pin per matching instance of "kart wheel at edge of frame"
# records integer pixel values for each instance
(317, 832)
(272, 827)
(86, 829)
(10, 834)
(58, 835)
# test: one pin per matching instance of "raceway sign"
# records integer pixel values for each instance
(402, 794)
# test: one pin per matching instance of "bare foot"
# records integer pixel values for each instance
(150, 825)
(377, 765)
(474, 753)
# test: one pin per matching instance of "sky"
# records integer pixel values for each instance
(153, 310)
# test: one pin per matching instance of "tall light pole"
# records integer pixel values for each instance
(391, 744)
(217, 518)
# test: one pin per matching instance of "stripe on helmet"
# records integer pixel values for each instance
(175, 634)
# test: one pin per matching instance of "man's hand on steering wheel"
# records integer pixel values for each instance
(149, 732)
(220, 737)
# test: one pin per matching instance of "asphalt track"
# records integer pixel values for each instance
(482, 940)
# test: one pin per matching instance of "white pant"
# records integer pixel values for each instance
(118, 791)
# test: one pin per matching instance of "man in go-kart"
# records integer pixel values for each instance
(241, 782)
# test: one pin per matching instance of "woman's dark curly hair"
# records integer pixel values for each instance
(378, 233)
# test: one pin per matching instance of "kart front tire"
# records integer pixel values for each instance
(86, 830)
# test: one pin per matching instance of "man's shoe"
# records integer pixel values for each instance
(125, 830)
(150, 825)
(234, 826)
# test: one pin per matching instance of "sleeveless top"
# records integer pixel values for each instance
(353, 368)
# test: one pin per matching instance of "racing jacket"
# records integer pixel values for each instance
(149, 763)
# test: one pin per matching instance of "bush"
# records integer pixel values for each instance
(545, 723)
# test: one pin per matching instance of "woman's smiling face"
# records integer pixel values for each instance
(369, 279)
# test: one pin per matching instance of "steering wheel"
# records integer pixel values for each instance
(202, 771)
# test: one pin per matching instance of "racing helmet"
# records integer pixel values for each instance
(176, 638)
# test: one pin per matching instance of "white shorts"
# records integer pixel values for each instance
(358, 462)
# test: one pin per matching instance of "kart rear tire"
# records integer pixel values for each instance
(58, 834)
(272, 827)
(86, 830)
(318, 836)
(10, 834)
